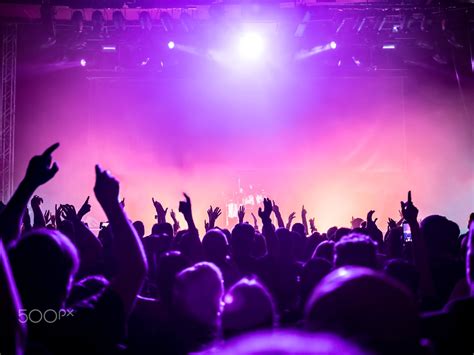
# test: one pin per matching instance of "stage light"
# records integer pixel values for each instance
(109, 48)
(251, 46)
(83, 62)
(228, 299)
(171, 44)
(333, 45)
(388, 46)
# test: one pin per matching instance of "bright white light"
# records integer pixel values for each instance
(83, 62)
(109, 48)
(388, 46)
(170, 44)
(333, 45)
(251, 46)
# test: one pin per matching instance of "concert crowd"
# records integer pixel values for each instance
(265, 286)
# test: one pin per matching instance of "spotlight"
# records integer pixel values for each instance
(83, 62)
(109, 48)
(333, 45)
(251, 46)
(171, 44)
(388, 46)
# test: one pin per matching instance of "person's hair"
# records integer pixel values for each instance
(355, 249)
(198, 293)
(325, 250)
(286, 342)
(44, 263)
(365, 305)
(247, 306)
(241, 242)
(215, 245)
(259, 246)
(162, 228)
(140, 228)
(441, 236)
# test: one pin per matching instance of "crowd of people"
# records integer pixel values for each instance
(264, 287)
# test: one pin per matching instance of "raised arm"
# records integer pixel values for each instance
(268, 230)
(38, 217)
(241, 214)
(185, 209)
(213, 214)
(160, 211)
(470, 258)
(276, 211)
(12, 330)
(131, 262)
(175, 222)
(291, 217)
(39, 171)
(304, 220)
(88, 245)
(420, 254)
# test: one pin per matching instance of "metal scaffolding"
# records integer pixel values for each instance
(8, 91)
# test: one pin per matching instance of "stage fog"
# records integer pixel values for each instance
(339, 146)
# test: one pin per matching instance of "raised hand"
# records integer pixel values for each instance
(391, 224)
(36, 201)
(160, 211)
(241, 214)
(175, 222)
(40, 170)
(291, 217)
(370, 221)
(277, 212)
(185, 209)
(85, 209)
(312, 225)
(303, 212)
(275, 208)
(69, 213)
(374, 232)
(57, 214)
(267, 210)
(106, 188)
(213, 214)
(409, 211)
(47, 216)
(255, 224)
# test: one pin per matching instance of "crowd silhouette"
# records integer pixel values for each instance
(258, 288)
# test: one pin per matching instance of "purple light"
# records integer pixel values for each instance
(333, 45)
(251, 46)
(109, 48)
(228, 299)
(83, 62)
(388, 46)
(170, 44)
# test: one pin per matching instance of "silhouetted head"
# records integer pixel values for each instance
(44, 263)
(366, 306)
(140, 228)
(259, 246)
(162, 228)
(311, 243)
(355, 249)
(314, 270)
(169, 265)
(405, 272)
(198, 292)
(299, 228)
(215, 245)
(441, 236)
(243, 235)
(248, 306)
(331, 233)
(191, 247)
(299, 245)
(286, 342)
(325, 250)
(285, 241)
(341, 232)
(356, 222)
